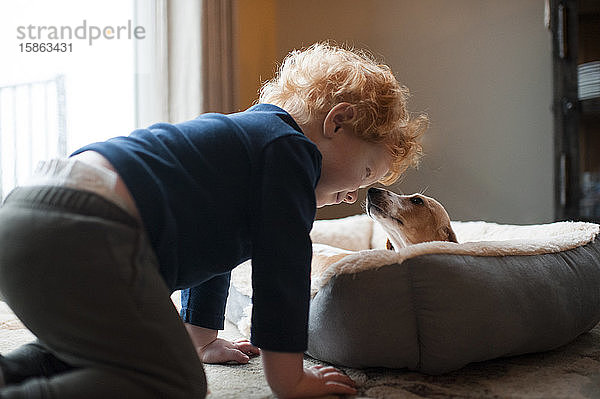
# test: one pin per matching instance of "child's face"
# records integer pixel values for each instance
(349, 163)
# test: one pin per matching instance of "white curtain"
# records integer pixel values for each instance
(185, 64)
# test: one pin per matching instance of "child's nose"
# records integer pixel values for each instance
(351, 197)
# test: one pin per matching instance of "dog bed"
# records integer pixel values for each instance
(434, 307)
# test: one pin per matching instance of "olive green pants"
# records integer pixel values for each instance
(80, 274)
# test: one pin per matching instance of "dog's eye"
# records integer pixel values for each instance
(417, 200)
(368, 174)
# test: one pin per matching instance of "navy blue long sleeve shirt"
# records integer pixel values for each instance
(218, 190)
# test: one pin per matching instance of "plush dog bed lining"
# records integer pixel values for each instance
(360, 233)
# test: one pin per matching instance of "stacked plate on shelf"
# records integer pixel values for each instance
(588, 76)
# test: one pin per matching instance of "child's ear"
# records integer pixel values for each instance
(336, 117)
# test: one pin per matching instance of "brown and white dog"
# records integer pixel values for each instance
(406, 219)
(409, 219)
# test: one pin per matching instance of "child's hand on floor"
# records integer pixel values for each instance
(288, 378)
(223, 351)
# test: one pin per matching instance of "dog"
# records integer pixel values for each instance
(406, 219)
(409, 219)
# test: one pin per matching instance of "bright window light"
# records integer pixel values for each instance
(93, 69)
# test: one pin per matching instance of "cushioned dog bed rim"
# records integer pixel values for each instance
(434, 307)
(436, 313)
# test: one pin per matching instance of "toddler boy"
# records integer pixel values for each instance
(93, 246)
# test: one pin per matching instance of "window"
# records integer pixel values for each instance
(53, 101)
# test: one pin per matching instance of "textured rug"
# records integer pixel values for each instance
(569, 372)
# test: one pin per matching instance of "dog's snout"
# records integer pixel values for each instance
(374, 192)
(376, 198)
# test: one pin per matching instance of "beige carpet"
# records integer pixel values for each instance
(570, 372)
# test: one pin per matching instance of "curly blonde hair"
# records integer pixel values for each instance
(312, 81)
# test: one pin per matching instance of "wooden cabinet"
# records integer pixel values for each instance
(575, 26)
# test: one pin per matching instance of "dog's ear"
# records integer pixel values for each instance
(389, 245)
(448, 232)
